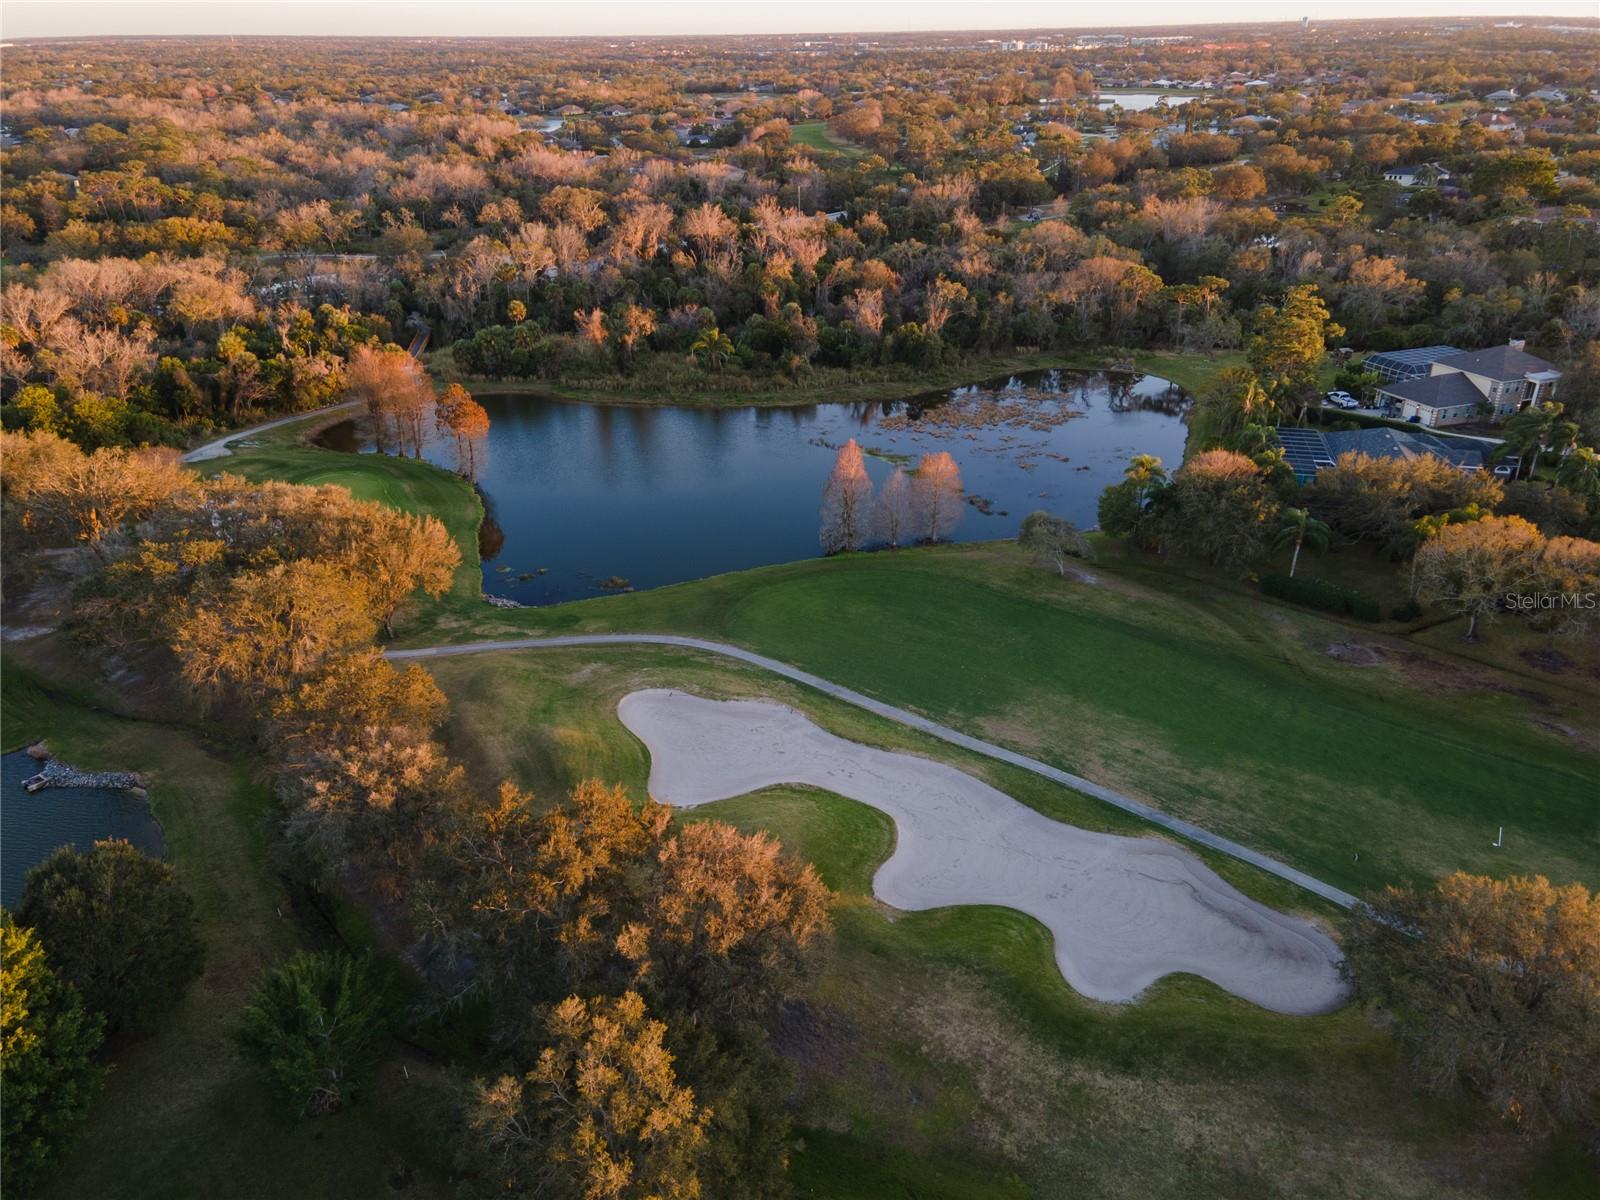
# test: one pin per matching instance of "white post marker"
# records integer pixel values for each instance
(1501, 840)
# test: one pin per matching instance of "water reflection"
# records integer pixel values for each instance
(578, 494)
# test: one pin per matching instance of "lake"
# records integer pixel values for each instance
(581, 495)
(36, 823)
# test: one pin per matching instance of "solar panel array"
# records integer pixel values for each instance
(1306, 450)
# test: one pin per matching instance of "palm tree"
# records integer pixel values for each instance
(1535, 430)
(1301, 528)
(1580, 475)
(712, 347)
(1254, 438)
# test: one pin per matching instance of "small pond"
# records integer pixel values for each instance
(581, 495)
(35, 823)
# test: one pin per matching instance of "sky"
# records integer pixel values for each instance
(613, 18)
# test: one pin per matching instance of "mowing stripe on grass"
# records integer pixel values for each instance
(955, 737)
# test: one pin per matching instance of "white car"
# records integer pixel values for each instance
(1343, 400)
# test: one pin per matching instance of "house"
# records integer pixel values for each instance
(1504, 96)
(1469, 385)
(1422, 175)
(1310, 450)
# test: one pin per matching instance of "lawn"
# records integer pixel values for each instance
(940, 1055)
(1201, 698)
(181, 1114)
(819, 137)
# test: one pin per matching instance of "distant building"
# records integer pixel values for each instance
(1422, 175)
(1463, 386)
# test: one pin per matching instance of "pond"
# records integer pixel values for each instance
(35, 823)
(582, 497)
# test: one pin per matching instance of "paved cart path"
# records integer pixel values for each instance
(911, 720)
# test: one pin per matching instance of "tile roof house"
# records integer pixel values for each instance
(1468, 385)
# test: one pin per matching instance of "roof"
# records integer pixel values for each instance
(1419, 359)
(1383, 442)
(1310, 450)
(1497, 362)
(1435, 391)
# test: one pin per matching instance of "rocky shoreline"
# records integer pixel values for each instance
(55, 773)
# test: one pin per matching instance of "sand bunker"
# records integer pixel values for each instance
(1124, 911)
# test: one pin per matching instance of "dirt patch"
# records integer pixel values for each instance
(1546, 659)
(1435, 675)
(813, 1037)
(1356, 654)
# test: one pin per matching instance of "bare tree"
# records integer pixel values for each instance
(938, 495)
(845, 502)
(892, 514)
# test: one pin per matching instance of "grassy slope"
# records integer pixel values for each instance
(182, 1115)
(1207, 701)
(940, 1055)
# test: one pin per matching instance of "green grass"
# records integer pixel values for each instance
(182, 1114)
(819, 137)
(940, 1054)
(1203, 698)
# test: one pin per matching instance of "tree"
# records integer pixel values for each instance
(395, 392)
(87, 497)
(727, 924)
(713, 348)
(461, 417)
(1494, 983)
(936, 489)
(266, 629)
(1234, 401)
(1289, 344)
(354, 744)
(118, 926)
(48, 1076)
(846, 501)
(1533, 431)
(601, 1116)
(406, 554)
(1052, 540)
(1220, 509)
(315, 1024)
(1580, 475)
(1300, 528)
(1470, 568)
(541, 896)
(892, 514)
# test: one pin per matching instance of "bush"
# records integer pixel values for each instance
(118, 927)
(1320, 594)
(316, 1025)
(1406, 610)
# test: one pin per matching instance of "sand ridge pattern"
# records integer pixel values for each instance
(1124, 911)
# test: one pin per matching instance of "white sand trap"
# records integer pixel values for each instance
(1124, 911)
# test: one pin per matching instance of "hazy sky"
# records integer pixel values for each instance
(56, 18)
